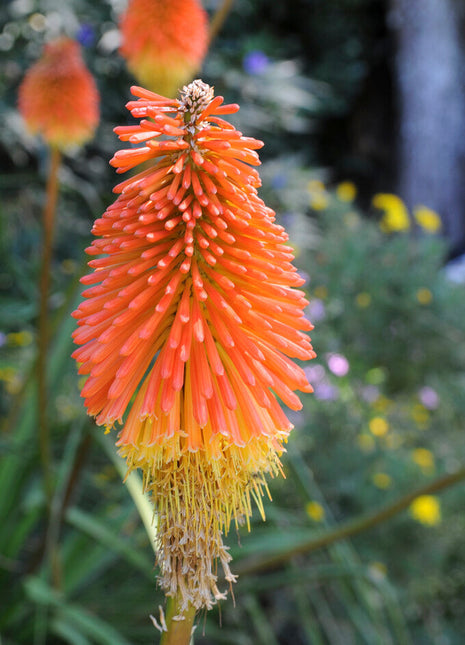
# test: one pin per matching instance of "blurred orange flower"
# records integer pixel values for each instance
(164, 43)
(191, 325)
(58, 97)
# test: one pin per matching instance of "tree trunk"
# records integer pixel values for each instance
(429, 71)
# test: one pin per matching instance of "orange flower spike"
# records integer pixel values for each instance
(193, 316)
(164, 43)
(58, 97)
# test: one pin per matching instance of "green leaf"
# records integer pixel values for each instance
(72, 615)
(68, 632)
(109, 538)
(95, 628)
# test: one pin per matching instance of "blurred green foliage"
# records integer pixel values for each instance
(387, 411)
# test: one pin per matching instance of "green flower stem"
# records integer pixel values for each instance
(367, 521)
(219, 18)
(43, 335)
(134, 486)
(179, 632)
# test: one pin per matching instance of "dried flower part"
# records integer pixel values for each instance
(164, 43)
(189, 326)
(197, 497)
(58, 97)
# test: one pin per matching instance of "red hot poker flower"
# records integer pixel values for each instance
(164, 43)
(189, 325)
(58, 97)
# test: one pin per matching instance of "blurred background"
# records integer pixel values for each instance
(361, 105)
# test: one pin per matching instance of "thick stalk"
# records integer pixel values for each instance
(179, 630)
(349, 528)
(44, 285)
(43, 338)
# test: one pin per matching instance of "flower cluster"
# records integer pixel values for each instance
(189, 326)
(426, 509)
(164, 43)
(396, 216)
(58, 97)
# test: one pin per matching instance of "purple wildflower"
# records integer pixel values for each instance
(255, 62)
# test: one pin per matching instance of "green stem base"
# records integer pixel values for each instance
(179, 632)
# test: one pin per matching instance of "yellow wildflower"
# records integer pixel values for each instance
(378, 426)
(7, 374)
(426, 509)
(363, 300)
(428, 219)
(19, 339)
(423, 458)
(318, 195)
(319, 202)
(424, 296)
(382, 480)
(420, 415)
(11, 378)
(346, 191)
(315, 186)
(395, 216)
(315, 511)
